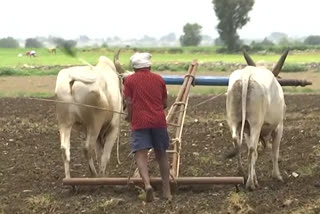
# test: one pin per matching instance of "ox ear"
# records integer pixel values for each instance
(276, 70)
(248, 58)
(117, 63)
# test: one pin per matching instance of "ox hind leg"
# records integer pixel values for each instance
(275, 151)
(108, 145)
(252, 142)
(237, 150)
(89, 150)
(65, 122)
(65, 132)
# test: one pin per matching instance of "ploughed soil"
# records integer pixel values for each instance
(31, 167)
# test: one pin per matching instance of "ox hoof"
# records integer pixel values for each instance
(277, 176)
(250, 185)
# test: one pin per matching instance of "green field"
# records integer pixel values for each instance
(9, 57)
(25, 76)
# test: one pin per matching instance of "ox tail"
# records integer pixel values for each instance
(245, 83)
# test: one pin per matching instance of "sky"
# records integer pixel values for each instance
(135, 18)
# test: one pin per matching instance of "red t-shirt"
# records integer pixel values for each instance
(147, 92)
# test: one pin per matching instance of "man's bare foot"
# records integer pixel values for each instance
(167, 197)
(166, 193)
(149, 194)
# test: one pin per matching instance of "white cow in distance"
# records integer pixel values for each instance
(91, 85)
(255, 108)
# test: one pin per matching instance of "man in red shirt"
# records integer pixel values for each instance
(146, 96)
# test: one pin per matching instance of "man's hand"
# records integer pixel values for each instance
(129, 109)
(127, 118)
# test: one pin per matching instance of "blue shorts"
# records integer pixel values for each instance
(156, 138)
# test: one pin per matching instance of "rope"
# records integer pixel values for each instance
(205, 101)
(104, 109)
(199, 104)
(74, 103)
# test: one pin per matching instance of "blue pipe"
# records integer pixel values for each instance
(199, 80)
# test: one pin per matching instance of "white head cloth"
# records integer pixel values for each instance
(141, 60)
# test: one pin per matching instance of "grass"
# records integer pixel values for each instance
(9, 57)
(165, 60)
(107, 205)
(40, 203)
(238, 203)
(308, 170)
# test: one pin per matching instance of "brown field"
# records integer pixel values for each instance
(31, 168)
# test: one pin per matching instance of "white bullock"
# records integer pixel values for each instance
(96, 86)
(255, 108)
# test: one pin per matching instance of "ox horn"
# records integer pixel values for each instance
(117, 63)
(248, 58)
(276, 70)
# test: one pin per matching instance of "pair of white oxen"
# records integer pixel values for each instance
(255, 109)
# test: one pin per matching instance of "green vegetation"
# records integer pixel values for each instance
(8, 42)
(191, 36)
(174, 59)
(232, 15)
(41, 203)
(33, 43)
(312, 40)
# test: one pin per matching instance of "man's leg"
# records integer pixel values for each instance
(142, 163)
(162, 158)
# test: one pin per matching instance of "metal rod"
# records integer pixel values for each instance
(294, 82)
(153, 180)
(223, 81)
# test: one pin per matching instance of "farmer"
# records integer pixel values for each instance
(146, 97)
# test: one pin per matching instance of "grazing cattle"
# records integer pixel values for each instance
(255, 108)
(96, 86)
(52, 50)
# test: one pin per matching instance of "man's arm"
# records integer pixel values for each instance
(165, 95)
(165, 103)
(129, 109)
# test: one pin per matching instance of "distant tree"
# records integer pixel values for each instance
(275, 37)
(312, 40)
(84, 39)
(192, 36)
(147, 39)
(104, 45)
(9, 42)
(207, 40)
(233, 15)
(63, 43)
(67, 46)
(171, 37)
(33, 43)
(284, 41)
(266, 42)
(218, 41)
